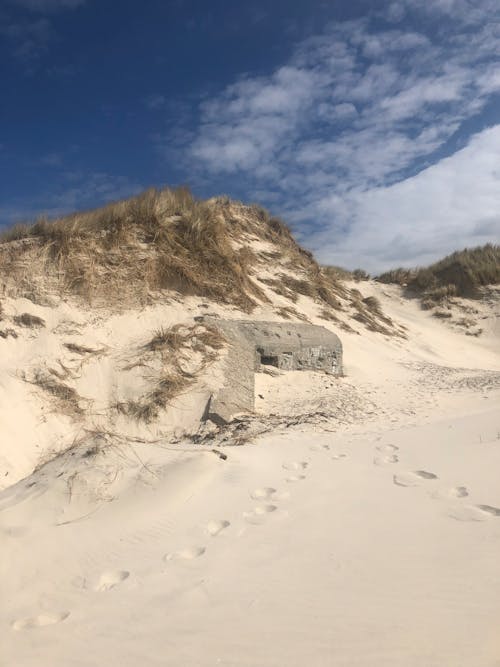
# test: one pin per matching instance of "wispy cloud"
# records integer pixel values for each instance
(357, 111)
(467, 12)
(155, 101)
(28, 39)
(28, 31)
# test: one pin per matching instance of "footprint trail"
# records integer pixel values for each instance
(185, 554)
(263, 493)
(413, 478)
(474, 513)
(214, 528)
(40, 621)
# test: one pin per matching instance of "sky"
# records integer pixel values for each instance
(372, 127)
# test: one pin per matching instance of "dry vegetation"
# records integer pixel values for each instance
(172, 359)
(30, 321)
(128, 250)
(6, 333)
(134, 251)
(462, 273)
(287, 312)
(339, 273)
(160, 240)
(81, 349)
(177, 347)
(368, 311)
(315, 285)
(66, 399)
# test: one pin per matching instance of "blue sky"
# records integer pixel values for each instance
(373, 128)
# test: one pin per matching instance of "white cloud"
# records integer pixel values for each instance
(353, 113)
(453, 204)
(467, 12)
(391, 105)
(252, 118)
(395, 12)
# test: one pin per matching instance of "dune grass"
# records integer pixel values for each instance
(138, 250)
(159, 240)
(65, 398)
(462, 273)
(175, 345)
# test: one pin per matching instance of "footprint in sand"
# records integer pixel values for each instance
(213, 528)
(384, 460)
(337, 457)
(295, 465)
(185, 554)
(263, 493)
(319, 448)
(258, 514)
(387, 449)
(474, 513)
(413, 478)
(295, 478)
(110, 579)
(40, 621)
(454, 492)
(264, 509)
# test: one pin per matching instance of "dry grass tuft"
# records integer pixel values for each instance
(360, 274)
(316, 284)
(176, 346)
(287, 312)
(15, 233)
(338, 273)
(148, 407)
(173, 341)
(466, 322)
(372, 324)
(30, 321)
(442, 314)
(5, 333)
(373, 304)
(368, 311)
(326, 314)
(67, 399)
(279, 288)
(80, 349)
(399, 276)
(298, 286)
(170, 338)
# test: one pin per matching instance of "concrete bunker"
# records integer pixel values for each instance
(287, 346)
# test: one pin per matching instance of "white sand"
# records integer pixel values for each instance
(365, 533)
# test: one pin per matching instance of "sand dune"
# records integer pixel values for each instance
(358, 526)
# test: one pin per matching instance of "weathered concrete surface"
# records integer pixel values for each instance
(286, 346)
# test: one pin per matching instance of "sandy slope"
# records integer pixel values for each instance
(362, 528)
